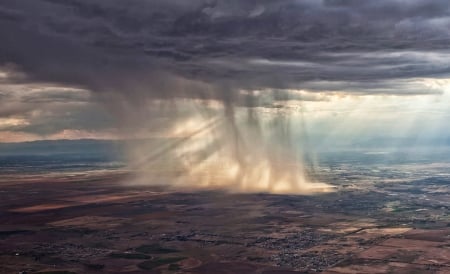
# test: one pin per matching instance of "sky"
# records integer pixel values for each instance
(344, 71)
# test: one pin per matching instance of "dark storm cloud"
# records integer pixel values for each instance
(140, 46)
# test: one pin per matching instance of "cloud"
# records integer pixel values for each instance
(272, 44)
(21, 136)
(138, 51)
(153, 65)
(43, 108)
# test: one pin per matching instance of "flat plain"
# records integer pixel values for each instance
(96, 223)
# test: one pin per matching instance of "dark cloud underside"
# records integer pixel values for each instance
(141, 44)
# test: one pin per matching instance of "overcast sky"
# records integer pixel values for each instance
(71, 69)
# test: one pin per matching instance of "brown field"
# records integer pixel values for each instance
(100, 225)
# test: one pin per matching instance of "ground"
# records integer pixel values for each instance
(100, 224)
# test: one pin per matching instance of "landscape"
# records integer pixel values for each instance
(224, 136)
(383, 215)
